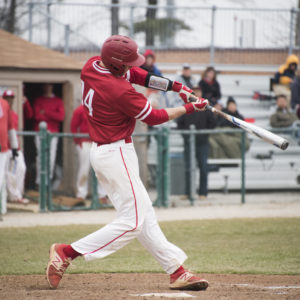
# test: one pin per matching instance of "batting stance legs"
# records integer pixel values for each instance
(135, 214)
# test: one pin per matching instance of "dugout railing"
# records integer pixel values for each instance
(162, 175)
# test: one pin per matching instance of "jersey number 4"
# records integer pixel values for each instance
(88, 99)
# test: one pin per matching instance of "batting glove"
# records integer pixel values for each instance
(15, 153)
(183, 91)
(199, 105)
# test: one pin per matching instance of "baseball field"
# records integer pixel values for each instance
(241, 258)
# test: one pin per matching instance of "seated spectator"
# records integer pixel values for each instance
(149, 63)
(284, 77)
(185, 78)
(209, 86)
(282, 117)
(295, 89)
(227, 145)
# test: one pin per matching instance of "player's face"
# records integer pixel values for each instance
(10, 100)
(281, 102)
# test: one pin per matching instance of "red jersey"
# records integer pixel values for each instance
(112, 104)
(50, 110)
(6, 124)
(79, 124)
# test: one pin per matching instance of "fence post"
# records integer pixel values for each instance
(67, 37)
(131, 24)
(243, 167)
(30, 9)
(165, 167)
(49, 23)
(212, 41)
(49, 186)
(291, 43)
(42, 135)
(192, 177)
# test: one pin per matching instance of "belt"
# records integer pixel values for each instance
(127, 140)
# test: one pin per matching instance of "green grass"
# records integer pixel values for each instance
(256, 246)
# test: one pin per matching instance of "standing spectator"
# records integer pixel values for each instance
(201, 120)
(149, 65)
(50, 109)
(79, 124)
(227, 145)
(7, 133)
(284, 77)
(209, 86)
(16, 165)
(282, 117)
(185, 78)
(295, 89)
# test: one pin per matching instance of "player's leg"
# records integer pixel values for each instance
(12, 178)
(21, 171)
(3, 169)
(84, 165)
(53, 151)
(170, 257)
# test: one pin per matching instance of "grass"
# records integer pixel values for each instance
(254, 246)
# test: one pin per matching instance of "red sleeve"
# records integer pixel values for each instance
(137, 75)
(37, 107)
(137, 106)
(27, 110)
(10, 119)
(57, 114)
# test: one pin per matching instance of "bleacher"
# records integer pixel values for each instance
(267, 167)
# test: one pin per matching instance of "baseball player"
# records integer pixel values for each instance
(7, 133)
(79, 124)
(16, 166)
(50, 109)
(113, 106)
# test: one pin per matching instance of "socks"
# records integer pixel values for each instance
(178, 272)
(70, 252)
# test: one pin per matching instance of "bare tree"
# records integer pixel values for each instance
(297, 33)
(150, 17)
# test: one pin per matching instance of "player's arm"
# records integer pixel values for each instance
(141, 77)
(57, 114)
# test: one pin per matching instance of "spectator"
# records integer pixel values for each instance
(227, 145)
(282, 117)
(284, 77)
(50, 109)
(79, 124)
(209, 86)
(7, 134)
(295, 89)
(149, 63)
(16, 170)
(185, 78)
(201, 120)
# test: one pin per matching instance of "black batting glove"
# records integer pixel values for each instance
(15, 153)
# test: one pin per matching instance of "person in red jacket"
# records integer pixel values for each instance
(50, 109)
(16, 170)
(7, 135)
(79, 124)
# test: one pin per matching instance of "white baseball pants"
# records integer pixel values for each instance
(84, 166)
(3, 168)
(53, 148)
(15, 176)
(116, 167)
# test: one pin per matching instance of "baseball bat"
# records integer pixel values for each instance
(261, 133)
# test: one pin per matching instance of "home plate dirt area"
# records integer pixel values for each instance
(149, 286)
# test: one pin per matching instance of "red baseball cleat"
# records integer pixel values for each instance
(57, 265)
(188, 281)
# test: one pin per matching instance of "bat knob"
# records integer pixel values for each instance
(284, 145)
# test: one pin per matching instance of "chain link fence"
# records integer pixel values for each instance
(214, 35)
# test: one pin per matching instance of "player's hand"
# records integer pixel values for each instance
(199, 105)
(15, 153)
(183, 91)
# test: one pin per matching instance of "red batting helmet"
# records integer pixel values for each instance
(119, 51)
(8, 93)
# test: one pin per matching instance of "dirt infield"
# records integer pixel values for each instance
(125, 286)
